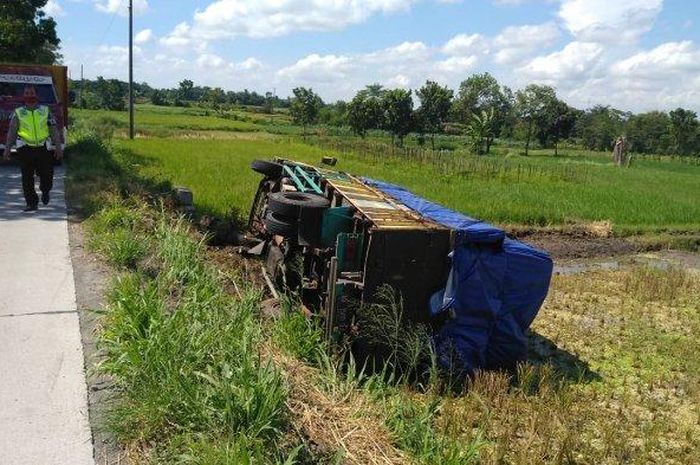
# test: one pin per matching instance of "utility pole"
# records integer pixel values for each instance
(131, 69)
(82, 87)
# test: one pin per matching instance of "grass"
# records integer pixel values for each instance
(163, 122)
(183, 353)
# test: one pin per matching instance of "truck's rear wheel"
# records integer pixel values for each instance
(267, 168)
(289, 204)
(281, 225)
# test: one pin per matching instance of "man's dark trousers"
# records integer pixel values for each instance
(35, 160)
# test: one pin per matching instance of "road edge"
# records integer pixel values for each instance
(91, 281)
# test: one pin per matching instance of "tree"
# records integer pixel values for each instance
(482, 93)
(158, 98)
(435, 103)
(683, 130)
(649, 132)
(557, 123)
(533, 105)
(184, 91)
(269, 107)
(398, 113)
(375, 90)
(334, 114)
(215, 98)
(365, 110)
(480, 131)
(112, 94)
(305, 107)
(599, 126)
(27, 35)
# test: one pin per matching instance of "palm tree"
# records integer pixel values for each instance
(480, 131)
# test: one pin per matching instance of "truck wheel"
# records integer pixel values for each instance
(267, 168)
(290, 203)
(280, 225)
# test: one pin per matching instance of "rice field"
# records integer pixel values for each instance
(539, 190)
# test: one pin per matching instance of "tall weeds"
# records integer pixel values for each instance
(185, 355)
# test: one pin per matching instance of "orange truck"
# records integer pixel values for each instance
(51, 84)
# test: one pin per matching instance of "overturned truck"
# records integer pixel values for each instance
(338, 239)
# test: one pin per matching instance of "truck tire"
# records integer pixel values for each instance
(289, 204)
(280, 225)
(267, 168)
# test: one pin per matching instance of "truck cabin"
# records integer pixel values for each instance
(12, 92)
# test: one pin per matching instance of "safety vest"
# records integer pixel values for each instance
(33, 125)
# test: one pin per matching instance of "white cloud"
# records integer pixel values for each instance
(400, 80)
(144, 36)
(121, 7)
(318, 69)
(465, 44)
(512, 45)
(249, 64)
(209, 60)
(403, 53)
(274, 18)
(180, 38)
(665, 62)
(516, 43)
(457, 65)
(112, 60)
(609, 21)
(53, 8)
(573, 63)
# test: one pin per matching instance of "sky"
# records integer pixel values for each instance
(635, 55)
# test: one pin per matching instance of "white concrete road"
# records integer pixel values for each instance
(43, 394)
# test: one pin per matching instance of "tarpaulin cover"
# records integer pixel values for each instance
(498, 286)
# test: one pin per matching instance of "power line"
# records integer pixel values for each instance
(111, 22)
(131, 69)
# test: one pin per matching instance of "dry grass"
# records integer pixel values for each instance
(346, 422)
(656, 284)
(642, 406)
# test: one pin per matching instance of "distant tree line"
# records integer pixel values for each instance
(111, 94)
(481, 108)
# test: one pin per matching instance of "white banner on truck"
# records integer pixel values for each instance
(25, 79)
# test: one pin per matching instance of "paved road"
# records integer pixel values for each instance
(43, 397)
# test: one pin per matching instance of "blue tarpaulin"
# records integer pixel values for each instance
(497, 287)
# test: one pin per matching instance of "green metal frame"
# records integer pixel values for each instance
(295, 172)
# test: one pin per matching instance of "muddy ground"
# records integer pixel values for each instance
(562, 246)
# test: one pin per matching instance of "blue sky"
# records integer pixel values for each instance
(633, 54)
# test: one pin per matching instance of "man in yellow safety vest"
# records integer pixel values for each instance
(34, 125)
